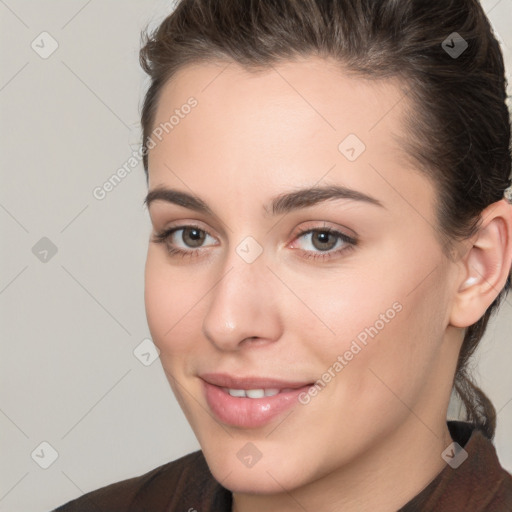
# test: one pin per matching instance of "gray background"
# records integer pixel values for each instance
(70, 323)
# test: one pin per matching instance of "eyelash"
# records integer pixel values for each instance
(163, 237)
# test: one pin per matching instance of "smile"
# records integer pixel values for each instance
(252, 393)
(249, 402)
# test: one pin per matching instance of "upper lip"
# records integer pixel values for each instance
(224, 380)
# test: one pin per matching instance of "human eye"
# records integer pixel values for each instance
(327, 243)
(191, 239)
(324, 241)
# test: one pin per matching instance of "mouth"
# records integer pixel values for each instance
(254, 393)
(250, 402)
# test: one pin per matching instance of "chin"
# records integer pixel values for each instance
(254, 480)
(268, 475)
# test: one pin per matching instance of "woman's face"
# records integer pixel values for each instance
(264, 299)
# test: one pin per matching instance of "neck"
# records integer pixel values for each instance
(384, 478)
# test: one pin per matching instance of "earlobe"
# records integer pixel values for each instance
(486, 266)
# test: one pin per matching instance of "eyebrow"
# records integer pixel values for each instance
(283, 203)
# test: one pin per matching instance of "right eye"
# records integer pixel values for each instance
(191, 237)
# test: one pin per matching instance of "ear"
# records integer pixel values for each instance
(485, 267)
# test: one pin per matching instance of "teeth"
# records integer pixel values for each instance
(237, 392)
(252, 393)
(255, 393)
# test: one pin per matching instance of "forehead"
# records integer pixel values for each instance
(293, 99)
(290, 121)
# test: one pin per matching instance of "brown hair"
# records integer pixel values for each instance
(458, 132)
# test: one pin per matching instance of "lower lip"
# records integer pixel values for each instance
(249, 412)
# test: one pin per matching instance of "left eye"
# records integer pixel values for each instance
(323, 240)
(326, 243)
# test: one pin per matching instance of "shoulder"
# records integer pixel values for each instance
(473, 479)
(488, 484)
(183, 484)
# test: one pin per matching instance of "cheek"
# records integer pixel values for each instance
(156, 299)
(166, 310)
(401, 355)
(344, 309)
(383, 327)
(167, 304)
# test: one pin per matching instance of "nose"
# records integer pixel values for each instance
(243, 309)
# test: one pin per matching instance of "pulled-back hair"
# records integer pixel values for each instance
(458, 126)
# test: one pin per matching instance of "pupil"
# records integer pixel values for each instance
(323, 237)
(194, 235)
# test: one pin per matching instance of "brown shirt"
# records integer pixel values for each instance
(479, 484)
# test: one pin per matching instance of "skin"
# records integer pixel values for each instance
(382, 419)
